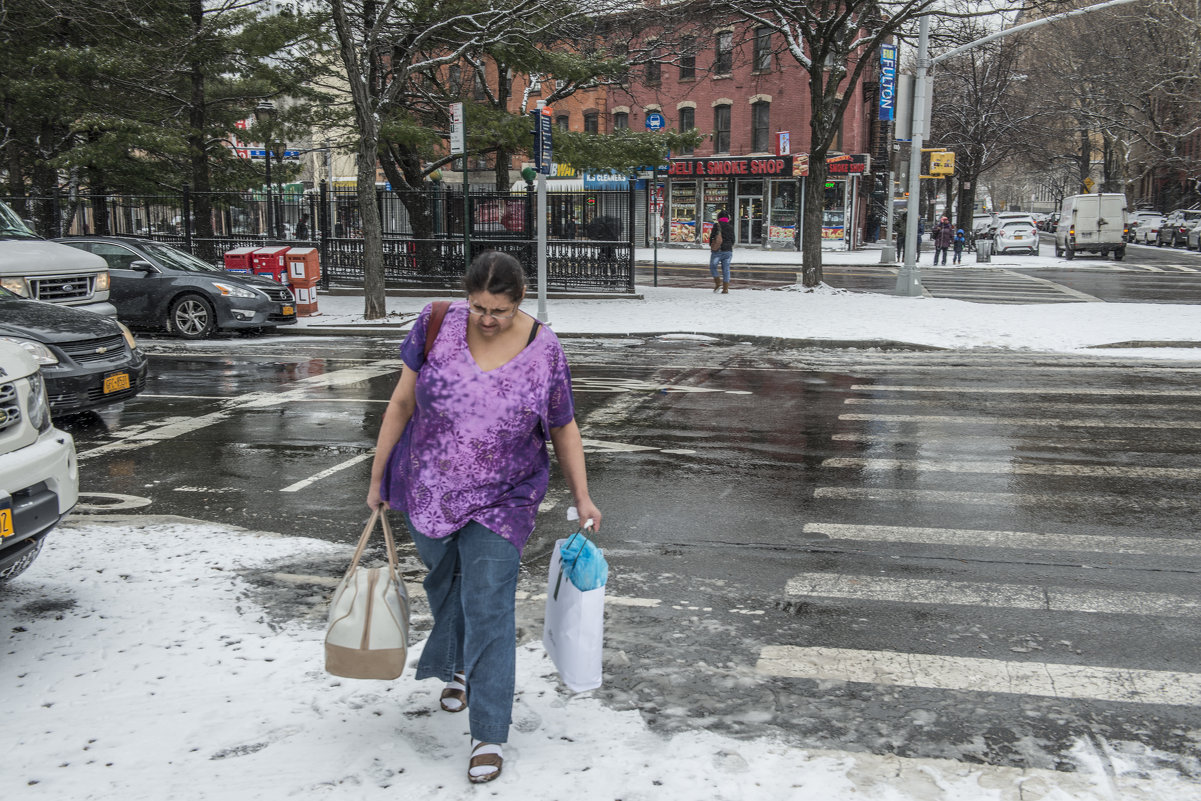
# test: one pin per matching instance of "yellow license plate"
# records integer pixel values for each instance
(6, 523)
(288, 310)
(116, 383)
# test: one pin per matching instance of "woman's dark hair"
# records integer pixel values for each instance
(497, 274)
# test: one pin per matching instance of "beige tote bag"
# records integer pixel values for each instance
(368, 632)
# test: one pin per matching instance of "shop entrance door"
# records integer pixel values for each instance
(750, 220)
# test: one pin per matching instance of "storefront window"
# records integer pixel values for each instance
(683, 211)
(717, 198)
(834, 211)
(782, 223)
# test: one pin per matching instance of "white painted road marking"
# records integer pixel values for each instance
(972, 390)
(1019, 421)
(299, 485)
(982, 538)
(1017, 468)
(993, 595)
(971, 674)
(1054, 500)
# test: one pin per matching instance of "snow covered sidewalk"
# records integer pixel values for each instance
(146, 660)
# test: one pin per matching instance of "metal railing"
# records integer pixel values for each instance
(590, 233)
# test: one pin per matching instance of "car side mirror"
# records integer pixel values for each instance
(141, 266)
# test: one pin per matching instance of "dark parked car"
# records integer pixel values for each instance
(158, 286)
(1174, 231)
(87, 359)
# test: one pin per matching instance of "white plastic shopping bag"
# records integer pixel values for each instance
(573, 633)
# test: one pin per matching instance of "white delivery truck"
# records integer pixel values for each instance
(1092, 224)
(43, 270)
(39, 475)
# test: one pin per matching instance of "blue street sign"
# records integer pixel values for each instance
(888, 82)
(542, 142)
(655, 121)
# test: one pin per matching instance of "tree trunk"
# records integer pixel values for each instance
(202, 186)
(811, 237)
(373, 233)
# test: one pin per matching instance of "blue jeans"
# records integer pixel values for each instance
(719, 260)
(472, 588)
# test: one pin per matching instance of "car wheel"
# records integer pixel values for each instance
(191, 317)
(1119, 254)
(1058, 252)
(1069, 254)
(21, 565)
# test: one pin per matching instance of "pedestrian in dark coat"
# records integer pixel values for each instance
(959, 243)
(943, 236)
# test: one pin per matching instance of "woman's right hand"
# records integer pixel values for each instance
(373, 499)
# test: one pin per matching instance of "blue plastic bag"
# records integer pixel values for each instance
(583, 563)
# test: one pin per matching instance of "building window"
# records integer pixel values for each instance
(687, 123)
(653, 68)
(723, 61)
(621, 52)
(563, 122)
(687, 59)
(721, 129)
(621, 121)
(591, 122)
(760, 127)
(479, 89)
(535, 83)
(762, 49)
(456, 79)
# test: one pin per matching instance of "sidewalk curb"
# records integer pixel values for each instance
(1149, 343)
(455, 294)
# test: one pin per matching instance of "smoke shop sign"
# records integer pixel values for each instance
(687, 168)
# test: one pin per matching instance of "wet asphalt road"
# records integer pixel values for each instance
(991, 557)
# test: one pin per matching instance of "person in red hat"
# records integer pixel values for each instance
(721, 252)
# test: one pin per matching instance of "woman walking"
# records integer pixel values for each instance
(462, 452)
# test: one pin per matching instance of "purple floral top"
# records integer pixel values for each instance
(475, 447)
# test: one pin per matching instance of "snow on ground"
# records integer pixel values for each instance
(838, 316)
(140, 663)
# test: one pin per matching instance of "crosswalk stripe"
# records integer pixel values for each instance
(975, 674)
(1012, 468)
(1029, 405)
(1056, 500)
(955, 441)
(970, 390)
(1020, 421)
(997, 596)
(982, 538)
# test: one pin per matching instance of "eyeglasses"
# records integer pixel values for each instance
(496, 314)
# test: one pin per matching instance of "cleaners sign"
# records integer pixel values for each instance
(888, 82)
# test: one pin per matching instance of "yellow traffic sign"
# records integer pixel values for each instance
(1088, 184)
(942, 162)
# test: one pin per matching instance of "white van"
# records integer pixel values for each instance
(39, 474)
(1092, 224)
(38, 268)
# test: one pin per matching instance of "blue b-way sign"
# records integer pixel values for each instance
(888, 82)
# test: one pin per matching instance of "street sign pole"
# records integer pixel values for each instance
(458, 146)
(542, 159)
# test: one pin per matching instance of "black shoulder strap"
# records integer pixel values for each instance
(533, 331)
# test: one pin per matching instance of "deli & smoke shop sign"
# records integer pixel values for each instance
(737, 166)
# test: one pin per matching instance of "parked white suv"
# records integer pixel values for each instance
(39, 475)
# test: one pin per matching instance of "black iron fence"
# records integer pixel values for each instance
(427, 235)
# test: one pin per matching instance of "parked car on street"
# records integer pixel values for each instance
(86, 359)
(1193, 239)
(1014, 236)
(159, 286)
(1174, 231)
(38, 268)
(1147, 231)
(39, 475)
(1138, 220)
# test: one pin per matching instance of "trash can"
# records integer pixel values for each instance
(984, 250)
